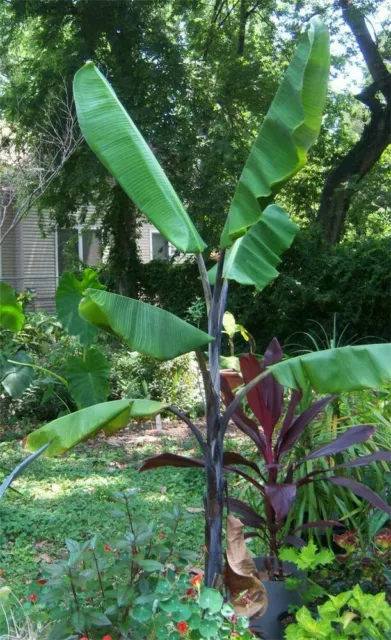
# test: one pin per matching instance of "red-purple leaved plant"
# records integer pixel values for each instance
(274, 433)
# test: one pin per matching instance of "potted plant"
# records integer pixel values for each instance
(230, 365)
(275, 429)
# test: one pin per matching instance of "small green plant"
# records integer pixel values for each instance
(231, 328)
(139, 585)
(310, 562)
(351, 614)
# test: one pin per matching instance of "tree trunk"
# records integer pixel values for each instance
(341, 183)
(122, 224)
(242, 27)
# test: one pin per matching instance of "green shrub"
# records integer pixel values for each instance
(351, 614)
(132, 375)
(352, 279)
(140, 585)
(176, 381)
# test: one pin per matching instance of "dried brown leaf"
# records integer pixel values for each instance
(248, 595)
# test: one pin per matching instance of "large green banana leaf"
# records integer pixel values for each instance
(11, 311)
(145, 328)
(289, 129)
(253, 258)
(87, 378)
(115, 139)
(68, 295)
(337, 370)
(68, 431)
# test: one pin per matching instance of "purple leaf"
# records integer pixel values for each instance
(273, 391)
(294, 541)
(360, 490)
(299, 424)
(318, 524)
(248, 516)
(251, 368)
(281, 497)
(171, 460)
(230, 457)
(243, 422)
(246, 476)
(378, 456)
(294, 401)
(251, 534)
(353, 435)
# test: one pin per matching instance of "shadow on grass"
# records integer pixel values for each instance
(72, 497)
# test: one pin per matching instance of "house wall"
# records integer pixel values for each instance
(9, 262)
(144, 241)
(29, 261)
(39, 259)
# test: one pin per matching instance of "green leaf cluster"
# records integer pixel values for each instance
(350, 614)
(307, 558)
(136, 584)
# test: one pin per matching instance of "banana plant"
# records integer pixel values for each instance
(255, 235)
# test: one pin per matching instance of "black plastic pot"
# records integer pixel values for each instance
(279, 600)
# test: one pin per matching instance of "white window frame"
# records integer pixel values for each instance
(157, 232)
(79, 228)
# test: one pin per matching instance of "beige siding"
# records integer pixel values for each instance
(39, 262)
(29, 261)
(144, 241)
(9, 271)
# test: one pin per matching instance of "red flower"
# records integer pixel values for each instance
(84, 638)
(107, 548)
(182, 627)
(41, 581)
(33, 598)
(107, 638)
(190, 592)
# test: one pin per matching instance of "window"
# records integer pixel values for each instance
(75, 246)
(160, 248)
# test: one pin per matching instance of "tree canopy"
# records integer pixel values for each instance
(197, 77)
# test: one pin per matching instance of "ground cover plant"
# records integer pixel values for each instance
(74, 495)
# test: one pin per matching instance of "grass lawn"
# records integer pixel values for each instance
(71, 497)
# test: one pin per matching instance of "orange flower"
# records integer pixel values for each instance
(182, 627)
(196, 581)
